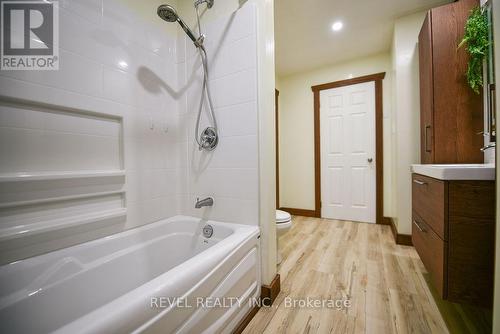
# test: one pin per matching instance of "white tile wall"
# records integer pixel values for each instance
(230, 172)
(118, 64)
(113, 62)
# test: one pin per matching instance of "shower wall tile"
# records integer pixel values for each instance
(120, 87)
(240, 24)
(76, 73)
(120, 62)
(161, 43)
(233, 57)
(232, 152)
(90, 10)
(238, 183)
(124, 25)
(194, 82)
(180, 48)
(150, 211)
(233, 120)
(182, 87)
(151, 56)
(238, 120)
(225, 209)
(235, 88)
(230, 173)
(191, 50)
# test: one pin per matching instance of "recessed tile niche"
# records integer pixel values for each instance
(61, 174)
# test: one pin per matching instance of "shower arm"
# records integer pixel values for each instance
(209, 3)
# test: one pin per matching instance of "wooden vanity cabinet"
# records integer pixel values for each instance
(453, 231)
(451, 114)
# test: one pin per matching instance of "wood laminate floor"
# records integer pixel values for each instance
(386, 284)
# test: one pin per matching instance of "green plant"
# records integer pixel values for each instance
(476, 38)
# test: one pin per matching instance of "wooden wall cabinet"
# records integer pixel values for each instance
(453, 231)
(451, 114)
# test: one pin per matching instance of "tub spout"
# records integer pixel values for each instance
(209, 201)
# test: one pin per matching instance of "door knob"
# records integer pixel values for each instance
(370, 160)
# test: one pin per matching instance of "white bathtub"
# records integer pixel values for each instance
(117, 284)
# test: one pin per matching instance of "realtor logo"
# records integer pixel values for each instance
(29, 35)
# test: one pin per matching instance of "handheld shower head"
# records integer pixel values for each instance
(169, 14)
(209, 137)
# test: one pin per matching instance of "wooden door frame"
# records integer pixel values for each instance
(276, 104)
(379, 147)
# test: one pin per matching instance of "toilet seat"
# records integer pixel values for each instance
(282, 217)
(284, 226)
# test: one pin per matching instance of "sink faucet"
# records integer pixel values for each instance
(209, 201)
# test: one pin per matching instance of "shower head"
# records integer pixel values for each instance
(169, 14)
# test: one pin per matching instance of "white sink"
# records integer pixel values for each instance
(457, 172)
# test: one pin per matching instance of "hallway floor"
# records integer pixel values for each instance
(386, 284)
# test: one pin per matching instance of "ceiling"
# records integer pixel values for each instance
(305, 40)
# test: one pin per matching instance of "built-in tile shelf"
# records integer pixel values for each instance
(47, 176)
(59, 199)
(29, 230)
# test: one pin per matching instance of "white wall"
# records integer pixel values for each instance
(241, 173)
(401, 123)
(296, 126)
(406, 113)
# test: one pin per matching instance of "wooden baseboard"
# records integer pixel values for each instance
(246, 320)
(387, 221)
(268, 294)
(404, 239)
(300, 212)
(400, 239)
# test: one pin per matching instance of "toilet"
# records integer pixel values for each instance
(283, 225)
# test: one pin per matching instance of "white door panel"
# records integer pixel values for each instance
(347, 118)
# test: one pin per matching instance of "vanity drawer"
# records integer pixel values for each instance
(429, 202)
(431, 249)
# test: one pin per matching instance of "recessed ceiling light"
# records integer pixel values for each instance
(337, 26)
